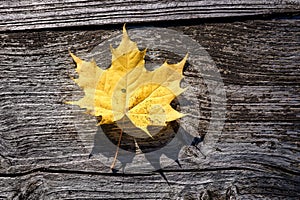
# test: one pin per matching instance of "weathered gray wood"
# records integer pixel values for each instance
(28, 15)
(256, 157)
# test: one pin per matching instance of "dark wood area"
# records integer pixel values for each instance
(43, 154)
(28, 15)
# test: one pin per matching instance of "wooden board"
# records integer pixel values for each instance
(28, 15)
(42, 155)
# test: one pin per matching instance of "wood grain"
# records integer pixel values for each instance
(28, 15)
(42, 155)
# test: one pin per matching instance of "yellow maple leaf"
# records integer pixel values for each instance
(128, 89)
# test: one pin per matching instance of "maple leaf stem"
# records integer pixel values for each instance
(117, 151)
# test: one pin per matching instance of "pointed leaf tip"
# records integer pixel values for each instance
(183, 61)
(146, 131)
(125, 31)
(75, 58)
(93, 62)
(185, 57)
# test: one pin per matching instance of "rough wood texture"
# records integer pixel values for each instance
(256, 157)
(28, 15)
